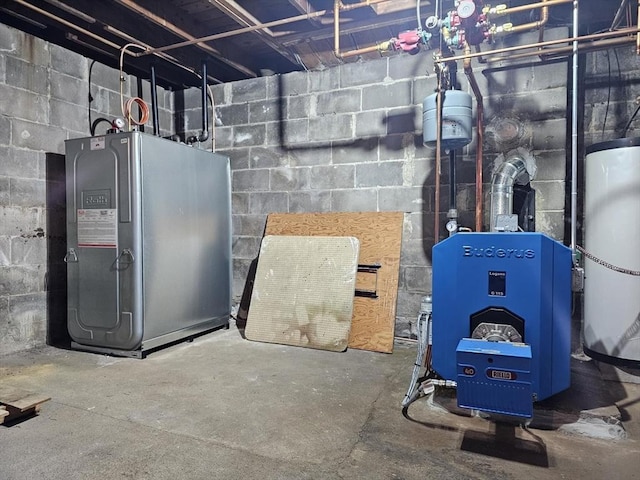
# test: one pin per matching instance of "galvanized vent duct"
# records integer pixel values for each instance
(519, 167)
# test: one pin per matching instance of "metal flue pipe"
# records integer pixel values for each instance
(513, 170)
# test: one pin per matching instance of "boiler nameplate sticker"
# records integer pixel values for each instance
(97, 228)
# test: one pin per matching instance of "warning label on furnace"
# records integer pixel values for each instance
(97, 228)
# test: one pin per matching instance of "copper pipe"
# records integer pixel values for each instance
(524, 27)
(531, 6)
(70, 25)
(479, 137)
(231, 33)
(436, 222)
(165, 56)
(562, 51)
(100, 39)
(244, 18)
(170, 27)
(240, 15)
(593, 36)
(337, 6)
(362, 51)
(544, 18)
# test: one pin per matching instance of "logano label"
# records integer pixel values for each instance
(493, 252)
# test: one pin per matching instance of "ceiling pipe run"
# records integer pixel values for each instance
(165, 56)
(303, 6)
(523, 8)
(337, 7)
(544, 18)
(595, 36)
(164, 23)
(552, 53)
(259, 26)
(355, 26)
(100, 39)
(244, 18)
(69, 24)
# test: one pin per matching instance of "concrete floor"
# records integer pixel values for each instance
(222, 407)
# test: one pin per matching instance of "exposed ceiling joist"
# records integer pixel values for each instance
(244, 18)
(397, 5)
(133, 6)
(73, 11)
(349, 28)
(303, 6)
(237, 38)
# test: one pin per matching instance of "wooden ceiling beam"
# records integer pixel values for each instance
(303, 6)
(245, 19)
(348, 28)
(152, 17)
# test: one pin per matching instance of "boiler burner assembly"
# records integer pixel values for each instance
(501, 325)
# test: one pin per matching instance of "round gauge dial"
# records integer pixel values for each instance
(118, 123)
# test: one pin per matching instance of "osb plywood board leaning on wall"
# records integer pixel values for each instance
(380, 235)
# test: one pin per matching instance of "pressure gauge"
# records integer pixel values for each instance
(118, 123)
(466, 8)
(452, 226)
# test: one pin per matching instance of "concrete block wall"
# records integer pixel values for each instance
(350, 139)
(342, 139)
(612, 94)
(44, 93)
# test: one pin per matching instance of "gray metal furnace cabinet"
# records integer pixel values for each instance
(148, 242)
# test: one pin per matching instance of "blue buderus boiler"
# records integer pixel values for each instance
(502, 319)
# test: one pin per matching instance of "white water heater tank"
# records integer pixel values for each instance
(611, 326)
(456, 119)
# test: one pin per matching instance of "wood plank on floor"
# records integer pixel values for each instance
(3, 413)
(16, 403)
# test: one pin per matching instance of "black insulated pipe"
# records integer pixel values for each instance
(154, 102)
(205, 106)
(452, 180)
